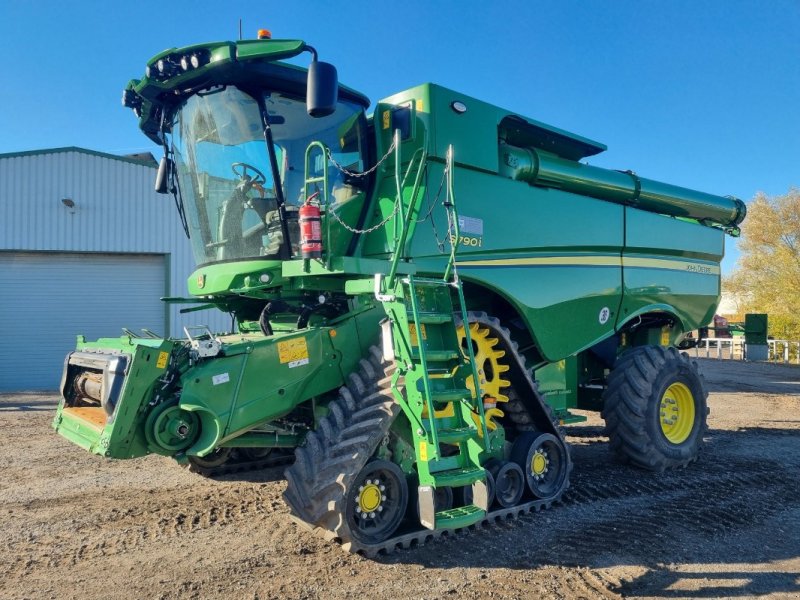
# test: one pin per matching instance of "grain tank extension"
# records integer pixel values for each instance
(421, 298)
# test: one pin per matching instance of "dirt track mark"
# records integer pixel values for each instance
(154, 516)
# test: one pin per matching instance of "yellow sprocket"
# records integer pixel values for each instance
(489, 368)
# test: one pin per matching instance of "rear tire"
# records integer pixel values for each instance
(655, 408)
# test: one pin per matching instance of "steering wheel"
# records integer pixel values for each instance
(243, 170)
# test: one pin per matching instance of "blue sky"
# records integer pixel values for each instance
(700, 94)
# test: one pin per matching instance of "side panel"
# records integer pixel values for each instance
(259, 379)
(554, 255)
(671, 262)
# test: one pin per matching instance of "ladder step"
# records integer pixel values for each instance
(458, 477)
(431, 318)
(463, 516)
(445, 396)
(456, 435)
(436, 355)
(440, 373)
(422, 282)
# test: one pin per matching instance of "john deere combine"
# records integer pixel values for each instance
(421, 295)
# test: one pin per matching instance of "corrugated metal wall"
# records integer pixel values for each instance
(116, 210)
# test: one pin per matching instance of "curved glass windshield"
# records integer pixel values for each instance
(223, 167)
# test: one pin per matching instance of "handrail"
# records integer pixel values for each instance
(452, 216)
(406, 223)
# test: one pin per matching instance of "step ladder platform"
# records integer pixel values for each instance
(432, 318)
(463, 516)
(427, 282)
(436, 355)
(450, 395)
(453, 518)
(457, 435)
(458, 477)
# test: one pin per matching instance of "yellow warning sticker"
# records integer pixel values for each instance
(423, 450)
(413, 330)
(665, 337)
(387, 119)
(163, 357)
(293, 352)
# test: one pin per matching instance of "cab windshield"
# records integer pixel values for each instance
(224, 168)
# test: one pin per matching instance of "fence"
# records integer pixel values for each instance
(784, 351)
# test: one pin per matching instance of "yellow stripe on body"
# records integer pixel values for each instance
(568, 261)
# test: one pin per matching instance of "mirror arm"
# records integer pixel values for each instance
(312, 50)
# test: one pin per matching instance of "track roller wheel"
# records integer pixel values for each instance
(255, 453)
(655, 408)
(212, 460)
(543, 459)
(376, 502)
(509, 482)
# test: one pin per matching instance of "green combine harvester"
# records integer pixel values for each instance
(421, 296)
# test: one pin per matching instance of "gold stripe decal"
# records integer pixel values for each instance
(566, 261)
(598, 261)
(674, 265)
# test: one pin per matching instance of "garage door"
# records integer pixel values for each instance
(49, 298)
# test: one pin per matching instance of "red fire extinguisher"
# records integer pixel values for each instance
(310, 229)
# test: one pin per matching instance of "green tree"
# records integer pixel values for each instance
(767, 275)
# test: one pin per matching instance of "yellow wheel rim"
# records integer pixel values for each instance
(538, 463)
(369, 498)
(490, 369)
(677, 413)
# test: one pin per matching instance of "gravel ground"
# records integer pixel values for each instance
(78, 526)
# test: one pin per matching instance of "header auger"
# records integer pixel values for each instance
(421, 295)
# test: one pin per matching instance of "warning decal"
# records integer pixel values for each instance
(293, 353)
(413, 330)
(162, 360)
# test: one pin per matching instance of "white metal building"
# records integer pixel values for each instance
(86, 247)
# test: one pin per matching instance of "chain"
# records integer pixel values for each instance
(371, 229)
(365, 173)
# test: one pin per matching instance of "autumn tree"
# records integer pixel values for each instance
(767, 275)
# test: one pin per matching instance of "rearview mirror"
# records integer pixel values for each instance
(322, 91)
(162, 177)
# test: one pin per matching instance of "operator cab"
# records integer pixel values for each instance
(240, 166)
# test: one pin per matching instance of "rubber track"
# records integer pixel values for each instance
(300, 495)
(423, 536)
(342, 444)
(237, 466)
